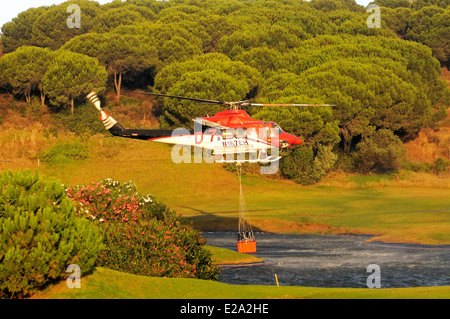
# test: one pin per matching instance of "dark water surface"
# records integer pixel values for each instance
(335, 261)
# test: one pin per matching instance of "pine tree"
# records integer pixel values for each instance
(39, 234)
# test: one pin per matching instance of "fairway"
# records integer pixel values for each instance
(209, 195)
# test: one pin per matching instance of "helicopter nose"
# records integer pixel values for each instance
(291, 139)
(297, 141)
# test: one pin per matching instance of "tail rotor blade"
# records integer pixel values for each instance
(95, 100)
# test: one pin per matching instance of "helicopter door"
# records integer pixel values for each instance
(227, 134)
(240, 132)
(210, 132)
(251, 133)
(264, 133)
(272, 134)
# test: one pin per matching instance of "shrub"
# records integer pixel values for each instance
(324, 161)
(61, 153)
(40, 235)
(440, 166)
(84, 121)
(379, 153)
(418, 167)
(298, 165)
(142, 235)
(302, 166)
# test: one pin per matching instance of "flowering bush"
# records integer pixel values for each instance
(142, 236)
(101, 204)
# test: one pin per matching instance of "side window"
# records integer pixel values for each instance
(273, 132)
(227, 134)
(264, 133)
(251, 132)
(240, 132)
(210, 131)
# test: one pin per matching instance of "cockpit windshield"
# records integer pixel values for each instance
(277, 128)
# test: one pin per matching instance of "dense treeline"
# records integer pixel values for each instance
(384, 81)
(423, 21)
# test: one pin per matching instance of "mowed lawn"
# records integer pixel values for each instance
(209, 195)
(109, 284)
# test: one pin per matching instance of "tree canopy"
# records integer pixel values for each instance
(293, 51)
(24, 69)
(209, 76)
(71, 75)
(118, 53)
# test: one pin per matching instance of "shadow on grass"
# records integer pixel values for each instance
(207, 221)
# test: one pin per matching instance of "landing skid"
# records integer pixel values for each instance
(240, 158)
(266, 160)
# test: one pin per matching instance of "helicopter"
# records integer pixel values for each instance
(229, 135)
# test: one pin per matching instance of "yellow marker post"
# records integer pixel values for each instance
(276, 278)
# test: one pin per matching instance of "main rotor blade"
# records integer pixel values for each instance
(186, 98)
(232, 104)
(264, 104)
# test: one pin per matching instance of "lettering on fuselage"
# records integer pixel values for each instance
(234, 143)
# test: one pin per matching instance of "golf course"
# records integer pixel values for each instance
(392, 208)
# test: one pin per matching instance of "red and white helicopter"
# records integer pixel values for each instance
(229, 135)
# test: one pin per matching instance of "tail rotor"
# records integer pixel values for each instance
(109, 123)
(95, 100)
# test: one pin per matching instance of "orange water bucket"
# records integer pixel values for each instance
(247, 246)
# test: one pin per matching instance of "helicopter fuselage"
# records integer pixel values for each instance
(229, 132)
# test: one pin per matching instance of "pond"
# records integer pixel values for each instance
(335, 261)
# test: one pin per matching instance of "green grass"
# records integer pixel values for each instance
(110, 284)
(227, 256)
(208, 194)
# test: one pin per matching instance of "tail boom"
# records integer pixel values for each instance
(118, 130)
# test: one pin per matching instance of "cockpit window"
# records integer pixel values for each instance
(212, 131)
(240, 132)
(227, 133)
(277, 128)
(251, 132)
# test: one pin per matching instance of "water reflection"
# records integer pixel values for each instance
(335, 261)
